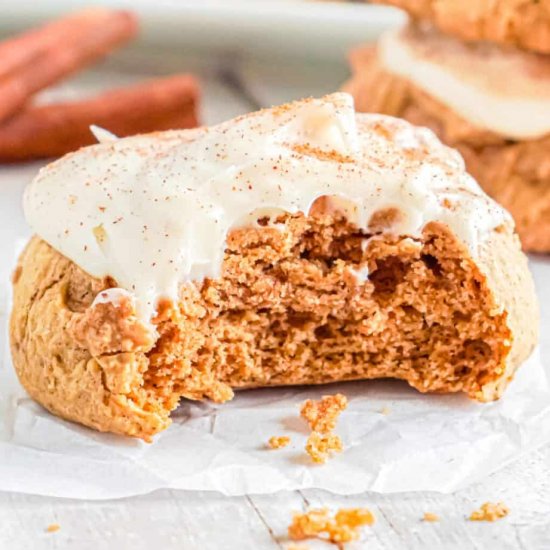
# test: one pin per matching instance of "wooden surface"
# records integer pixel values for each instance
(176, 520)
(182, 520)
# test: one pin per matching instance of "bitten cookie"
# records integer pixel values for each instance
(299, 245)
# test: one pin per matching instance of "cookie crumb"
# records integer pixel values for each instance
(53, 528)
(318, 523)
(385, 411)
(293, 546)
(429, 516)
(309, 524)
(490, 511)
(320, 446)
(278, 441)
(322, 415)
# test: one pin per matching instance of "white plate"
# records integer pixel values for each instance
(316, 30)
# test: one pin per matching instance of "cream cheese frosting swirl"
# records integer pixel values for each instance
(153, 211)
(496, 88)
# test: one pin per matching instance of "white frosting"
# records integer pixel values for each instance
(113, 296)
(153, 211)
(503, 90)
(102, 135)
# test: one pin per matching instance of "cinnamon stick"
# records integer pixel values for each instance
(38, 58)
(53, 130)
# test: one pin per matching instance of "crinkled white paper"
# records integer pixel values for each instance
(395, 439)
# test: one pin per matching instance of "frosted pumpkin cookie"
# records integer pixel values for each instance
(521, 23)
(302, 244)
(492, 104)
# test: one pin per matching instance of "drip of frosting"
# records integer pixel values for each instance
(153, 211)
(500, 89)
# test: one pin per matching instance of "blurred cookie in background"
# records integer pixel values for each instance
(489, 100)
(521, 23)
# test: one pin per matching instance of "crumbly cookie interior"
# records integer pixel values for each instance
(293, 308)
(302, 300)
(297, 308)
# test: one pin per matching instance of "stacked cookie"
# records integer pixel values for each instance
(478, 74)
